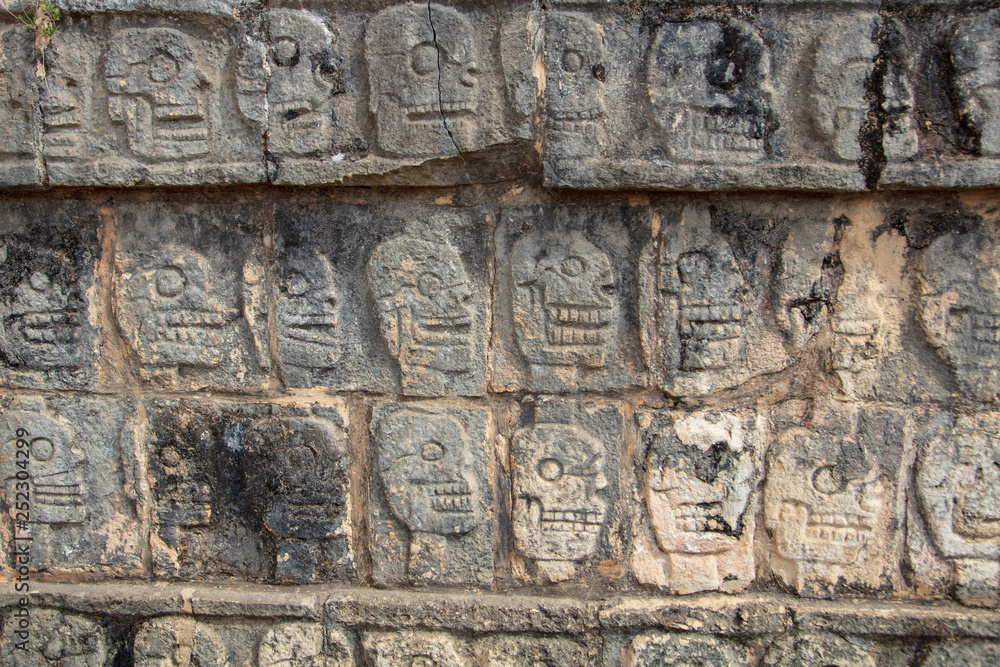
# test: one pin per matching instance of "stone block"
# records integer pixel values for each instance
(305, 644)
(566, 475)
(409, 647)
(972, 653)
(432, 496)
(834, 497)
(517, 650)
(957, 502)
(71, 487)
(48, 297)
(565, 298)
(54, 638)
(20, 142)
(179, 293)
(820, 649)
(253, 490)
(696, 482)
(664, 648)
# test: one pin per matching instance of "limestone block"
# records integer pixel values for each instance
(975, 84)
(432, 495)
(651, 649)
(409, 647)
(55, 638)
(306, 644)
(960, 307)
(957, 486)
(696, 500)
(806, 281)
(564, 296)
(820, 649)
(565, 468)
(70, 484)
(967, 652)
(178, 294)
(20, 146)
(48, 323)
(833, 497)
(179, 640)
(517, 650)
(253, 490)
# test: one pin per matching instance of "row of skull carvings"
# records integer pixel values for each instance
(703, 322)
(270, 492)
(179, 641)
(429, 72)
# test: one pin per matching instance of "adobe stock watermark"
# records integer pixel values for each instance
(19, 497)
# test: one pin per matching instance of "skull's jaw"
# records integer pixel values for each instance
(44, 339)
(297, 128)
(57, 498)
(828, 537)
(692, 528)
(440, 343)
(700, 135)
(422, 130)
(309, 340)
(972, 348)
(977, 521)
(63, 133)
(190, 514)
(442, 508)
(563, 534)
(710, 336)
(568, 335)
(166, 131)
(185, 338)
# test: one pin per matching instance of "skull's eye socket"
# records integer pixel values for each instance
(424, 58)
(572, 61)
(572, 266)
(39, 281)
(163, 67)
(170, 457)
(42, 449)
(826, 480)
(432, 451)
(550, 470)
(285, 52)
(170, 281)
(693, 267)
(296, 284)
(429, 284)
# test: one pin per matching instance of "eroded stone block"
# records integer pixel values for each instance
(564, 464)
(574, 98)
(973, 48)
(832, 498)
(517, 650)
(20, 162)
(967, 652)
(432, 498)
(820, 649)
(68, 466)
(55, 638)
(806, 281)
(697, 483)
(651, 649)
(408, 647)
(289, 644)
(957, 483)
(179, 640)
(960, 308)
(69, 126)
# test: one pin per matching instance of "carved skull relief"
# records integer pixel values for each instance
(558, 473)
(974, 51)
(563, 300)
(707, 82)
(412, 648)
(178, 641)
(960, 308)
(423, 77)
(308, 310)
(184, 484)
(821, 648)
(62, 640)
(423, 297)
(574, 93)
(303, 75)
(157, 91)
(958, 486)
(168, 310)
(806, 282)
(65, 98)
(301, 645)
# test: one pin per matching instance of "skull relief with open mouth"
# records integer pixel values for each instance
(574, 92)
(308, 311)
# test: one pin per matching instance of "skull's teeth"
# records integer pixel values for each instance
(575, 521)
(700, 518)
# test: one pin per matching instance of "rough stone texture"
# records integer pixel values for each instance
(20, 154)
(819, 649)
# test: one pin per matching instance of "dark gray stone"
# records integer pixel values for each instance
(825, 649)
(20, 154)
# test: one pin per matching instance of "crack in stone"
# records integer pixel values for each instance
(440, 64)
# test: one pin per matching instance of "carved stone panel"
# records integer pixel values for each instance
(957, 483)
(415, 648)
(695, 524)
(53, 638)
(806, 281)
(432, 496)
(575, 70)
(307, 644)
(48, 327)
(652, 649)
(564, 460)
(69, 116)
(963, 652)
(565, 293)
(833, 498)
(821, 648)
(173, 641)
(178, 296)
(960, 307)
(20, 159)
(69, 470)
(517, 650)
(973, 47)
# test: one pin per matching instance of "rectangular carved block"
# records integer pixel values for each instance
(20, 147)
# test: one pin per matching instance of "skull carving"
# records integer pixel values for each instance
(824, 499)
(65, 639)
(56, 468)
(43, 314)
(558, 474)
(17, 93)
(707, 82)
(826, 649)
(974, 51)
(806, 282)
(698, 478)
(308, 311)
(423, 78)
(184, 481)
(563, 303)
(167, 309)
(960, 314)
(424, 461)
(178, 642)
(900, 140)
(423, 297)
(958, 486)
(574, 92)
(416, 649)
(652, 649)
(64, 101)
(301, 645)
(304, 74)
(156, 90)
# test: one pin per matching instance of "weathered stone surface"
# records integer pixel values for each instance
(957, 487)
(513, 651)
(407, 647)
(305, 644)
(71, 484)
(657, 648)
(833, 498)
(178, 294)
(820, 649)
(563, 298)
(696, 477)
(53, 638)
(564, 464)
(48, 328)
(974, 654)
(179, 640)
(20, 154)
(806, 279)
(432, 495)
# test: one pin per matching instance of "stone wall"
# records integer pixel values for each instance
(493, 334)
